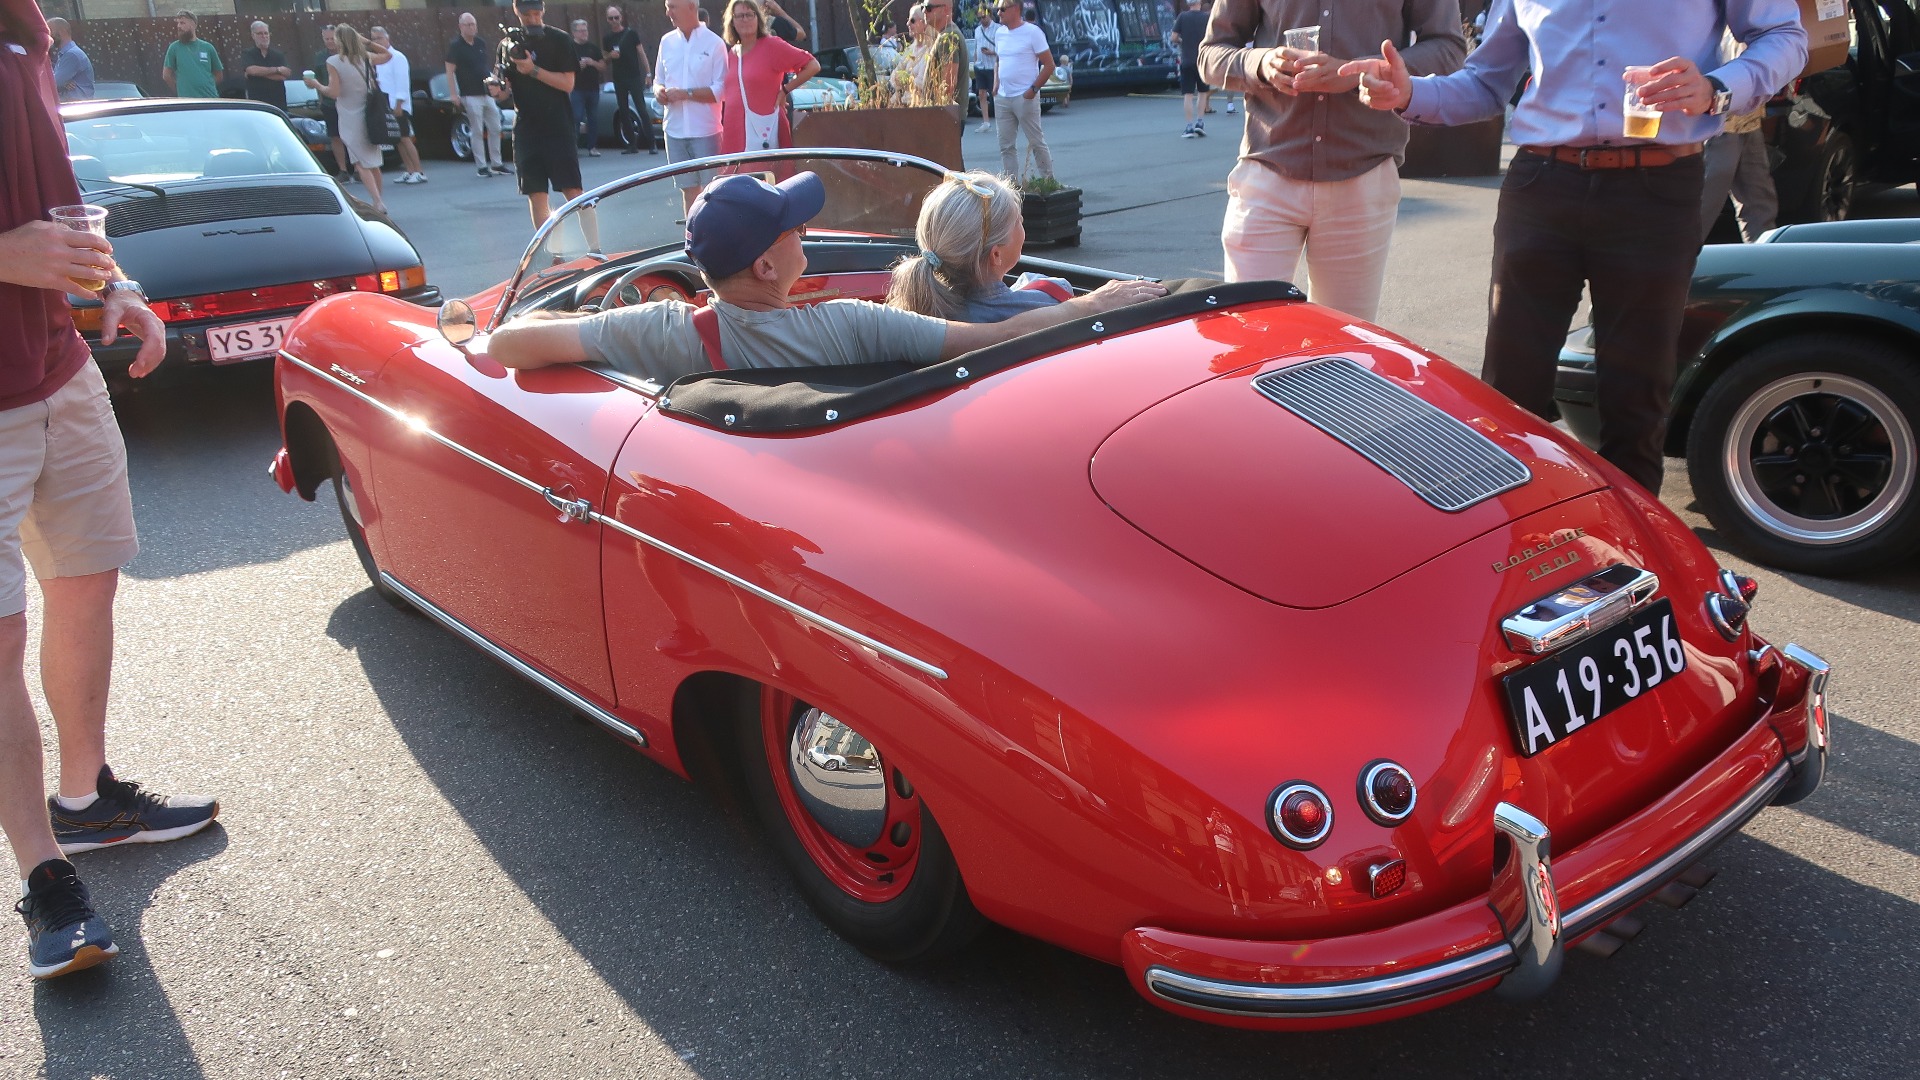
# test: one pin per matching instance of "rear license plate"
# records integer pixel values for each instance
(1549, 700)
(245, 341)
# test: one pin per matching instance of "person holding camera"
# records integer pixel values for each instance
(539, 65)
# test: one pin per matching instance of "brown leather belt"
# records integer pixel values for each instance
(1615, 157)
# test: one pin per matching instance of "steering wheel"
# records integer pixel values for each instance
(658, 280)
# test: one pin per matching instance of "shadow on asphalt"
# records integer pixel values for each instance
(85, 1018)
(197, 452)
(691, 921)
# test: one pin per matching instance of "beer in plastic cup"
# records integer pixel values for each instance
(1639, 120)
(86, 218)
(307, 74)
(1304, 38)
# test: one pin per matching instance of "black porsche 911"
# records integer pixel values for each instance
(219, 211)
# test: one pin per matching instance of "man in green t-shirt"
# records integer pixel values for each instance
(193, 66)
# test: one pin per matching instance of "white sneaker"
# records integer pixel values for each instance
(419, 178)
(1229, 108)
(984, 128)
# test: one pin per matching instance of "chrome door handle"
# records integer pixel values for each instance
(570, 509)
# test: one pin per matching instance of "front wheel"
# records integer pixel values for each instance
(1832, 195)
(866, 854)
(357, 536)
(1803, 454)
(460, 139)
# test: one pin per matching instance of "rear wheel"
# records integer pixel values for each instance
(866, 854)
(1803, 454)
(357, 536)
(626, 128)
(1832, 195)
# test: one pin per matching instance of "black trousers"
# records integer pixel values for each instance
(1629, 235)
(636, 91)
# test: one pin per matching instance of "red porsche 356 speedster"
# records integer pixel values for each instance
(1252, 649)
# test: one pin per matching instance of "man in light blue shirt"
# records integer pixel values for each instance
(72, 71)
(1584, 205)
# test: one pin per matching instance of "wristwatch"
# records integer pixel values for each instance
(128, 285)
(1722, 97)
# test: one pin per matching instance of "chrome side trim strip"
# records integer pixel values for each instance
(593, 712)
(778, 601)
(1602, 909)
(1327, 999)
(415, 424)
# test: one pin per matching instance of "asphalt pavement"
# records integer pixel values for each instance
(425, 867)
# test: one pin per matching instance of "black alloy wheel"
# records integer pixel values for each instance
(1832, 197)
(1803, 454)
(460, 138)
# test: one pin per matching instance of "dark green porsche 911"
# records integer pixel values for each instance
(1798, 395)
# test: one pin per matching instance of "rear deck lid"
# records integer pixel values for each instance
(1308, 481)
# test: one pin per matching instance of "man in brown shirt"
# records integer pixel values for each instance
(1319, 172)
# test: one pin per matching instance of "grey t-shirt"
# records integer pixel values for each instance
(658, 340)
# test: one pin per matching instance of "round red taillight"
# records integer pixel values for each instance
(1299, 815)
(1387, 793)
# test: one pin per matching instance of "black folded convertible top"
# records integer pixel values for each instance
(764, 400)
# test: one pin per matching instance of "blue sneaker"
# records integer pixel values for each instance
(125, 814)
(63, 933)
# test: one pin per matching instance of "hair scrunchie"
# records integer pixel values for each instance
(932, 259)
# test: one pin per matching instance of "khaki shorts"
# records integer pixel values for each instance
(64, 501)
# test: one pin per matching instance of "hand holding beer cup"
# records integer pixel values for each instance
(1675, 84)
(46, 255)
(1384, 81)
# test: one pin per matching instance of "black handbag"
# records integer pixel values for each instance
(382, 126)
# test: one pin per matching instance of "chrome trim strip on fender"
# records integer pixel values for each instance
(573, 511)
(1604, 908)
(1580, 610)
(593, 712)
(1327, 999)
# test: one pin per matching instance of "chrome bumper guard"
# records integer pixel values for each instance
(1524, 897)
(1810, 764)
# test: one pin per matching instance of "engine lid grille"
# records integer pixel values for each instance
(1440, 459)
(147, 213)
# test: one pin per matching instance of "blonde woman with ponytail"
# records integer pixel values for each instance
(971, 236)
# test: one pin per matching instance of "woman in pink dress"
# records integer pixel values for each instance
(753, 114)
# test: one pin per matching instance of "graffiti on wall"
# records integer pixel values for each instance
(1121, 39)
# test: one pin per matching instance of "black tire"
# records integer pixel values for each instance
(1803, 454)
(930, 918)
(1831, 197)
(626, 128)
(357, 536)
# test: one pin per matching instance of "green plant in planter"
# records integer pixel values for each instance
(1041, 185)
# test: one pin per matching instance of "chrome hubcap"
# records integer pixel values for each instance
(1820, 458)
(839, 778)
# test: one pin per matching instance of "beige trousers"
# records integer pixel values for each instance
(1343, 226)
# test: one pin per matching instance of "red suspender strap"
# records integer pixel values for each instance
(707, 321)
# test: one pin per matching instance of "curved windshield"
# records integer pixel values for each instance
(169, 145)
(871, 197)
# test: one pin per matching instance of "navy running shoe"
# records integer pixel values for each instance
(126, 814)
(63, 932)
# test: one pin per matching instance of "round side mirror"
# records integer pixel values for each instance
(457, 322)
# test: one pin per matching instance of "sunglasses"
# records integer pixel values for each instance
(986, 207)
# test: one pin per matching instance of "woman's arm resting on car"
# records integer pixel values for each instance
(966, 337)
(541, 339)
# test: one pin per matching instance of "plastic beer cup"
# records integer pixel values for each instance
(1304, 38)
(87, 218)
(1639, 120)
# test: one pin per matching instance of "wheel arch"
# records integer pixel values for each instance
(310, 449)
(705, 707)
(1731, 343)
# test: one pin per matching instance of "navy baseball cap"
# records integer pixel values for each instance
(529, 4)
(737, 218)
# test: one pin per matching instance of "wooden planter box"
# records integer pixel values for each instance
(1053, 218)
(1466, 150)
(932, 132)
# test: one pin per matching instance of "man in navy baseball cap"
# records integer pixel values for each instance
(737, 218)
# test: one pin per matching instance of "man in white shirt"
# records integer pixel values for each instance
(396, 81)
(687, 80)
(1024, 64)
